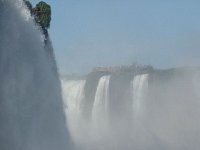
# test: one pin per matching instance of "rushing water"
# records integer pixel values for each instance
(164, 104)
(139, 93)
(31, 113)
(73, 96)
(74, 92)
(101, 101)
(164, 112)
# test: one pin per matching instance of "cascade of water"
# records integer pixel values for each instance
(139, 87)
(164, 109)
(73, 94)
(31, 111)
(101, 102)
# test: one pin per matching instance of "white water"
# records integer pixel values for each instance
(86, 134)
(100, 126)
(31, 111)
(73, 95)
(139, 87)
(165, 115)
(101, 101)
(139, 90)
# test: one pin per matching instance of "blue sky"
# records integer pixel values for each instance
(89, 33)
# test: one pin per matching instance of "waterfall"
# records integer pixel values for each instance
(161, 111)
(73, 94)
(31, 111)
(101, 101)
(139, 87)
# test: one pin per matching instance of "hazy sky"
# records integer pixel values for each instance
(89, 33)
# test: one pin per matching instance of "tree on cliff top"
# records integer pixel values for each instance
(42, 13)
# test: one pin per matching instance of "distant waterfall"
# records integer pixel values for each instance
(139, 87)
(73, 94)
(156, 110)
(101, 101)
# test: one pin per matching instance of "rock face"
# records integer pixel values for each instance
(31, 109)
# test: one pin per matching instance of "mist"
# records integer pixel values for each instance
(154, 110)
(125, 107)
(31, 108)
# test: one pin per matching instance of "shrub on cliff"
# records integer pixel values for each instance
(42, 13)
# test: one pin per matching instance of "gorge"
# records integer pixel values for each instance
(136, 109)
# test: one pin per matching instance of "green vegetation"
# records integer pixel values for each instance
(42, 15)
